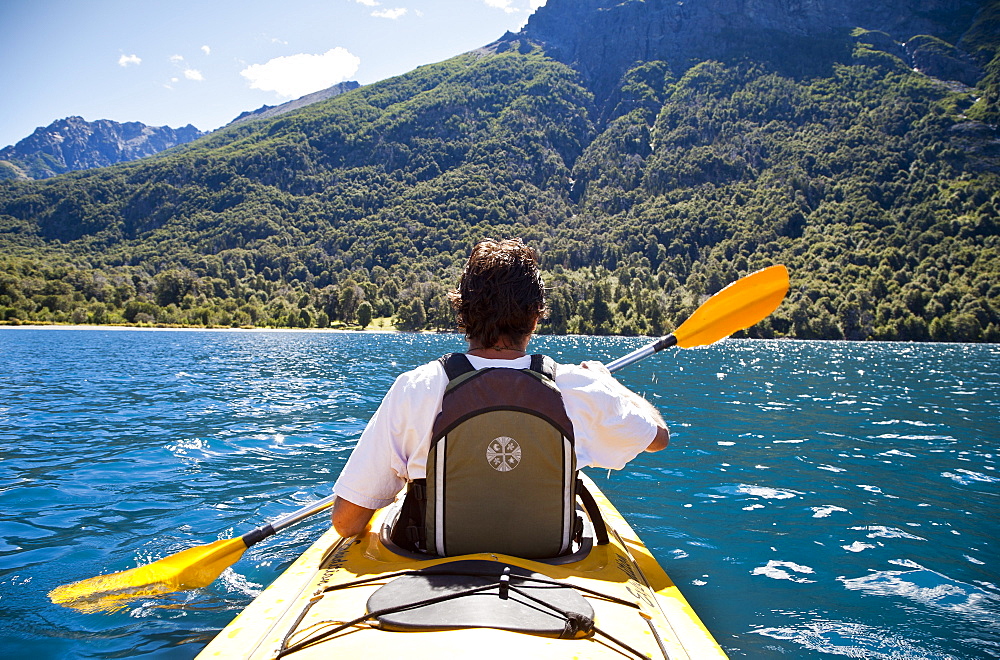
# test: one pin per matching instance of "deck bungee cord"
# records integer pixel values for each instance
(577, 625)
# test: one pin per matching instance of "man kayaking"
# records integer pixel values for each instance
(503, 446)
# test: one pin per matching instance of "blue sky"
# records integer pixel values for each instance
(181, 62)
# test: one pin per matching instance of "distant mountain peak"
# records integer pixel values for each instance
(73, 143)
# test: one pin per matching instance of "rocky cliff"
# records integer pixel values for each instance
(76, 144)
(271, 111)
(604, 38)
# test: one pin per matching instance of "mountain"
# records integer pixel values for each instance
(73, 143)
(271, 111)
(651, 151)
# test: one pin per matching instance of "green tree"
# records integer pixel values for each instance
(349, 300)
(412, 316)
(364, 314)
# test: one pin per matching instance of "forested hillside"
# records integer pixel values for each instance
(878, 186)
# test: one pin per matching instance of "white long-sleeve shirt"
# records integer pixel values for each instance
(610, 429)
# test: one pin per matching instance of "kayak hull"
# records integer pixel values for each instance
(639, 610)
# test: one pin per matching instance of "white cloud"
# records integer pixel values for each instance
(368, 3)
(125, 60)
(207, 50)
(389, 13)
(501, 4)
(176, 59)
(509, 6)
(193, 74)
(296, 75)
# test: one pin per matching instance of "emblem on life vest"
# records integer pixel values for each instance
(503, 454)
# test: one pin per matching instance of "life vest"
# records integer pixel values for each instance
(501, 470)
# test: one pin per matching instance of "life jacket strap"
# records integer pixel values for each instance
(457, 364)
(593, 512)
(408, 532)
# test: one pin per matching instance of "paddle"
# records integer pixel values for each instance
(743, 303)
(738, 306)
(188, 569)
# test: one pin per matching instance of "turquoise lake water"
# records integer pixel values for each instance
(818, 500)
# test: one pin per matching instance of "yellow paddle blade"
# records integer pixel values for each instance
(189, 569)
(743, 303)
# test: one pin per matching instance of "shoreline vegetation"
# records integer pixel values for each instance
(630, 301)
(613, 309)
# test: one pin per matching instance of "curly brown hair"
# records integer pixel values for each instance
(501, 293)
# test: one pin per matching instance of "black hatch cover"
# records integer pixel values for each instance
(481, 594)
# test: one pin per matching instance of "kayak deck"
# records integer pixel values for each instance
(638, 611)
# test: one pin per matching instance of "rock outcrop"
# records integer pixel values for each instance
(940, 59)
(271, 111)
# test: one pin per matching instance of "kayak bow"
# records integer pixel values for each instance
(352, 597)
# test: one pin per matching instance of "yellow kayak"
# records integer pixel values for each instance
(365, 597)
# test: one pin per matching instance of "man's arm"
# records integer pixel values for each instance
(662, 437)
(348, 518)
